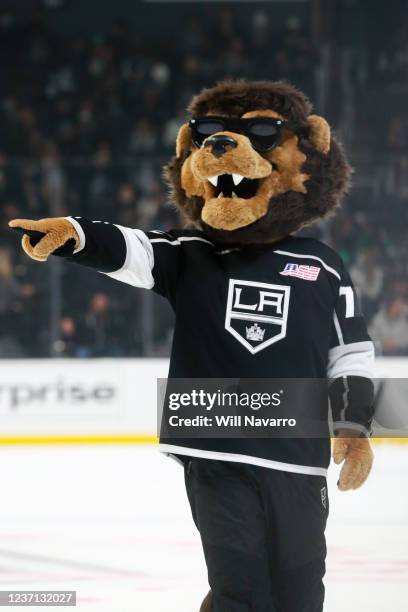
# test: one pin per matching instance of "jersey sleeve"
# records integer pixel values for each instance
(129, 255)
(350, 363)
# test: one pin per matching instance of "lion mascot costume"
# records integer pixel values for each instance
(252, 300)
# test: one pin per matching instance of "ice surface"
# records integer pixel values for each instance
(113, 523)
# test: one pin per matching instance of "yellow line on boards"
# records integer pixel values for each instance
(126, 439)
(390, 440)
(386, 440)
(123, 439)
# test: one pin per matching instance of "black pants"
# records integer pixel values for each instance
(262, 532)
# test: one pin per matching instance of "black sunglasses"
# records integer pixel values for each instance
(263, 132)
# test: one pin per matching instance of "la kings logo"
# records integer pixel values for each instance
(257, 313)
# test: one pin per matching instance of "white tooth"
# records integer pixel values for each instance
(237, 178)
(213, 180)
(234, 195)
(221, 195)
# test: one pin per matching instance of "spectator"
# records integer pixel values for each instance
(368, 278)
(101, 329)
(143, 139)
(69, 341)
(86, 124)
(9, 295)
(389, 328)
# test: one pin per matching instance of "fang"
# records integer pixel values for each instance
(237, 178)
(213, 180)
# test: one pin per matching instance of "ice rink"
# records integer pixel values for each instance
(113, 523)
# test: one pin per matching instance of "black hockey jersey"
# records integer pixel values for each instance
(283, 310)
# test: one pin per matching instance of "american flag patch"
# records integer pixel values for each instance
(300, 271)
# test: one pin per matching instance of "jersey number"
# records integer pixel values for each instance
(349, 295)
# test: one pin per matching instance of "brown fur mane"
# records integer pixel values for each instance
(329, 174)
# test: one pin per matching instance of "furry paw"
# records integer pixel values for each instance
(358, 460)
(43, 237)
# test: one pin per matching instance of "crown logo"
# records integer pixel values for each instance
(255, 333)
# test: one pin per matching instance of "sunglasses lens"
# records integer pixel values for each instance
(205, 128)
(264, 129)
(264, 136)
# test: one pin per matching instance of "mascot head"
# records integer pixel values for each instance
(253, 164)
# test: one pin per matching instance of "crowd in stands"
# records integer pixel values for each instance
(85, 127)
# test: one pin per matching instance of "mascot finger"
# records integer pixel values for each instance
(47, 245)
(29, 249)
(26, 224)
(362, 477)
(339, 450)
(350, 474)
(358, 457)
(366, 459)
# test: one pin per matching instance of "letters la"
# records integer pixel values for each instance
(257, 313)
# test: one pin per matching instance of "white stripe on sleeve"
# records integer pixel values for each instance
(138, 266)
(80, 233)
(354, 359)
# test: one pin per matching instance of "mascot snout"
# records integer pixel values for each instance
(219, 144)
(236, 182)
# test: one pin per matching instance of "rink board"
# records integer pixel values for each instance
(94, 400)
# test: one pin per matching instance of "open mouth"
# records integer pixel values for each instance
(233, 186)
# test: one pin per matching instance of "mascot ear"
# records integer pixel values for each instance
(319, 133)
(183, 142)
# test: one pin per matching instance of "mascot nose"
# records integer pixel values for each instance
(218, 144)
